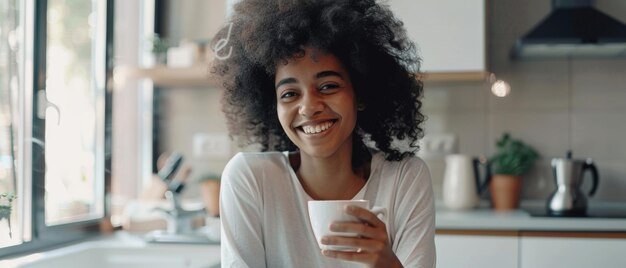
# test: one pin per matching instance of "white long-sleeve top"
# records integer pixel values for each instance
(265, 221)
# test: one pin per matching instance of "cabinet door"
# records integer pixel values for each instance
(476, 251)
(450, 34)
(549, 252)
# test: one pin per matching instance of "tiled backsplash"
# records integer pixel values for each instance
(555, 105)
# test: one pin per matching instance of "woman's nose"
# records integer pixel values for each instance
(311, 105)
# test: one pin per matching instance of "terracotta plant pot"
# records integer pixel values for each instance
(210, 190)
(505, 191)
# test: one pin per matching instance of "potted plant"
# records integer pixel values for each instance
(6, 200)
(513, 158)
(210, 190)
(159, 47)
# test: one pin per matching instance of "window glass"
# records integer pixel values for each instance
(69, 155)
(74, 114)
(11, 63)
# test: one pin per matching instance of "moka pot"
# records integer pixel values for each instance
(568, 198)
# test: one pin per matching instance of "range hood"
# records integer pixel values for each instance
(573, 29)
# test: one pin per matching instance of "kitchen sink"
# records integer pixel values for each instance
(122, 250)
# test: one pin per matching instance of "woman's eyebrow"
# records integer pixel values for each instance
(289, 80)
(328, 73)
(321, 74)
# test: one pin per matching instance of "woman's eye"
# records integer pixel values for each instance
(287, 95)
(327, 87)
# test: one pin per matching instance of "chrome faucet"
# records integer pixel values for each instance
(179, 220)
(180, 227)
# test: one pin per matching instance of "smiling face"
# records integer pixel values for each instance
(316, 104)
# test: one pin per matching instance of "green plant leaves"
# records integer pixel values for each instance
(8, 196)
(513, 157)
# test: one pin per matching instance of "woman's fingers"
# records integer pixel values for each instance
(363, 245)
(365, 216)
(360, 229)
(350, 256)
(371, 243)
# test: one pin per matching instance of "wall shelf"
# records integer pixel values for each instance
(199, 76)
(163, 76)
(455, 76)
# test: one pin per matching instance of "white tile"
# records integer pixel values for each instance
(547, 132)
(469, 129)
(599, 85)
(535, 85)
(441, 97)
(499, 52)
(538, 183)
(600, 136)
(612, 182)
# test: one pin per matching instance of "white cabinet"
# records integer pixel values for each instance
(550, 252)
(531, 250)
(450, 34)
(476, 251)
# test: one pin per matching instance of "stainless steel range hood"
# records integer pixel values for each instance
(573, 29)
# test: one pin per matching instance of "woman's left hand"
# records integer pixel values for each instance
(372, 242)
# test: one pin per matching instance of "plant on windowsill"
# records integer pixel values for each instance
(512, 160)
(6, 200)
(159, 47)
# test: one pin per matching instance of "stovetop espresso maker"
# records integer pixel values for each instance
(568, 199)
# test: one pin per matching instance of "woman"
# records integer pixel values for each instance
(328, 89)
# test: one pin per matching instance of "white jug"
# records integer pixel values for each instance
(461, 183)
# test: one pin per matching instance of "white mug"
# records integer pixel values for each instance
(324, 212)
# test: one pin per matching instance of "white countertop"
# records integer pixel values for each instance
(120, 249)
(484, 219)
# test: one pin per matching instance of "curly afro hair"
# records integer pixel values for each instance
(364, 35)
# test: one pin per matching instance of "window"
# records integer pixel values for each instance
(73, 126)
(54, 118)
(11, 81)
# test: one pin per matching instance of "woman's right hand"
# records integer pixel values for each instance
(372, 241)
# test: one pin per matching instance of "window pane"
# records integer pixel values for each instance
(74, 180)
(11, 47)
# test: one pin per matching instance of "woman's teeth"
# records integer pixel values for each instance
(317, 128)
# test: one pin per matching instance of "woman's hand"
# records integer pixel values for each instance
(372, 242)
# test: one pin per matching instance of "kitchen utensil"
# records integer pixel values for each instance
(461, 182)
(169, 169)
(568, 198)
